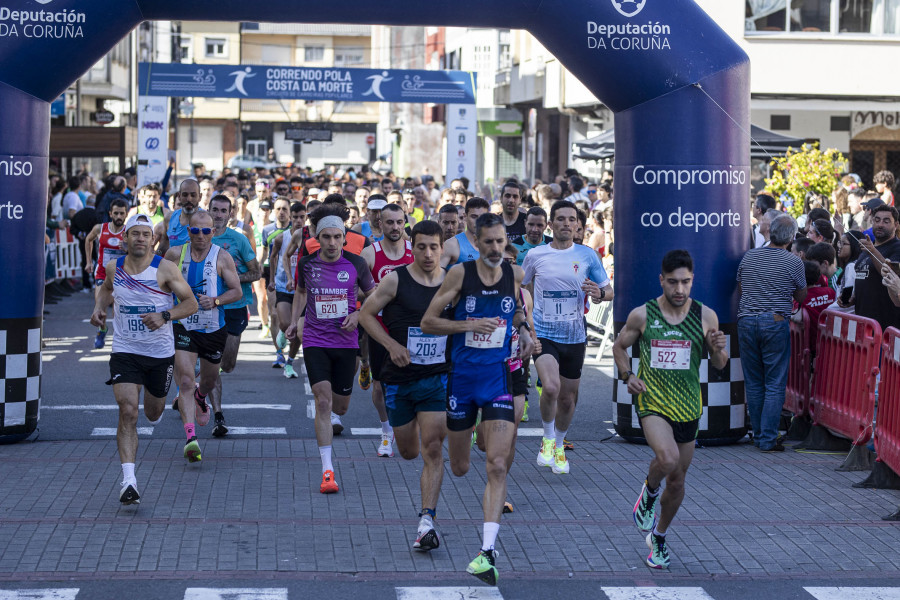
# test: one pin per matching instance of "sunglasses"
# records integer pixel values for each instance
(592, 191)
(203, 230)
(296, 187)
(511, 261)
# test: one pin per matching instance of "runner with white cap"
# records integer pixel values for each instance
(141, 285)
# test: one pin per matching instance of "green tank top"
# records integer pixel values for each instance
(156, 217)
(670, 365)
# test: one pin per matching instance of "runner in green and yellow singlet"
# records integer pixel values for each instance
(671, 331)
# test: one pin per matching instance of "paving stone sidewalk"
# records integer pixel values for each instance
(253, 505)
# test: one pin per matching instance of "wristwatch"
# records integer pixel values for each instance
(216, 302)
(602, 293)
(625, 376)
(166, 316)
(525, 325)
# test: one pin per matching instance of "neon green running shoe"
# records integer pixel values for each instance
(659, 554)
(289, 371)
(192, 450)
(483, 567)
(525, 413)
(560, 462)
(545, 457)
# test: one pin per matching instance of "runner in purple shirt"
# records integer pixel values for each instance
(326, 291)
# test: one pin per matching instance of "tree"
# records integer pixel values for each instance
(798, 173)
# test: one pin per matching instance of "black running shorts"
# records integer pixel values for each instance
(570, 357)
(683, 431)
(335, 365)
(155, 374)
(236, 320)
(208, 346)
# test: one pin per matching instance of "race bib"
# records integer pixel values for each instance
(487, 340)
(111, 254)
(425, 349)
(134, 325)
(515, 363)
(670, 354)
(560, 306)
(202, 319)
(294, 258)
(331, 306)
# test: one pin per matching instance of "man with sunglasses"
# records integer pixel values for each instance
(283, 189)
(173, 230)
(236, 313)
(513, 218)
(214, 282)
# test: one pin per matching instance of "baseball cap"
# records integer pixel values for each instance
(265, 205)
(138, 220)
(873, 203)
(376, 204)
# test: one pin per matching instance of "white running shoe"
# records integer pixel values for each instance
(336, 426)
(386, 447)
(129, 494)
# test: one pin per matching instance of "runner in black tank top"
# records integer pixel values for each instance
(415, 373)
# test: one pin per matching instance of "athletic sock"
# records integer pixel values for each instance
(290, 360)
(128, 473)
(189, 430)
(560, 437)
(429, 511)
(657, 533)
(156, 422)
(652, 492)
(490, 535)
(325, 453)
(102, 329)
(386, 428)
(549, 429)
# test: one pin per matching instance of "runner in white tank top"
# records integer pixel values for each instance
(143, 349)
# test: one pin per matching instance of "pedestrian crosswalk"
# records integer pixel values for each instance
(466, 593)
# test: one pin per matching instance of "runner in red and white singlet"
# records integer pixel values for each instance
(382, 257)
(110, 247)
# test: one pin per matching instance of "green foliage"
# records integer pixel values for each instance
(807, 170)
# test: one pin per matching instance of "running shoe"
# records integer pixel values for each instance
(192, 450)
(545, 457)
(219, 430)
(329, 485)
(507, 508)
(289, 371)
(129, 494)
(539, 386)
(265, 333)
(560, 462)
(175, 402)
(568, 445)
(483, 567)
(365, 377)
(202, 409)
(659, 554)
(426, 537)
(386, 447)
(336, 426)
(279, 361)
(525, 413)
(281, 340)
(645, 510)
(100, 340)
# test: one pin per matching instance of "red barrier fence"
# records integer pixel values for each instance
(843, 394)
(887, 427)
(796, 396)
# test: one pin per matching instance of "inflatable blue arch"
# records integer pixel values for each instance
(678, 85)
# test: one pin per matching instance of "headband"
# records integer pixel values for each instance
(331, 221)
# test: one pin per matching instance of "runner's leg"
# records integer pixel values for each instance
(127, 397)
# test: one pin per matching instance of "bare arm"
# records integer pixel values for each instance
(384, 293)
(800, 295)
(451, 253)
(276, 246)
(292, 247)
(89, 248)
(248, 233)
(630, 334)
(104, 299)
(715, 340)
(159, 232)
(253, 272)
(187, 304)
(228, 273)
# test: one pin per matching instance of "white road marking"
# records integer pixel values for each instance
(235, 594)
(448, 593)
(257, 431)
(656, 593)
(141, 407)
(523, 431)
(39, 594)
(854, 593)
(98, 431)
